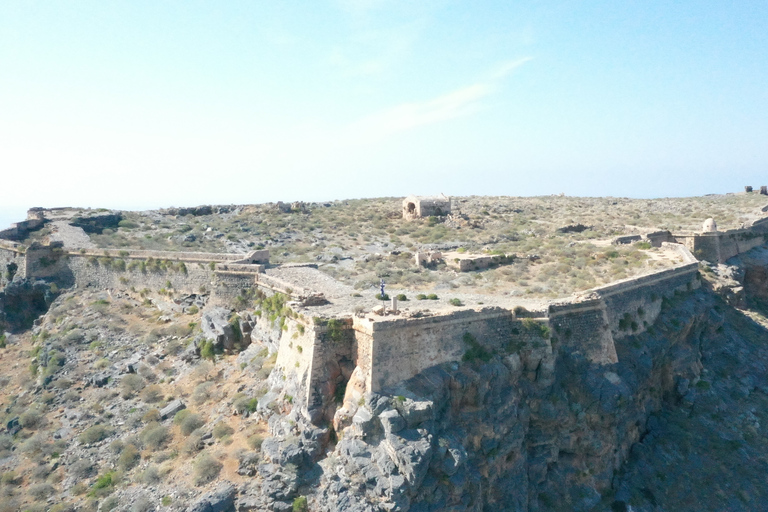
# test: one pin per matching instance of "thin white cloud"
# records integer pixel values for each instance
(505, 68)
(455, 104)
(458, 103)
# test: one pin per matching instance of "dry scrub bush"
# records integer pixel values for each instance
(130, 385)
(221, 430)
(41, 491)
(152, 394)
(30, 418)
(94, 434)
(129, 457)
(190, 423)
(154, 436)
(81, 469)
(206, 468)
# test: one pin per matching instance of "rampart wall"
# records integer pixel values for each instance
(399, 348)
(719, 246)
(390, 350)
(187, 272)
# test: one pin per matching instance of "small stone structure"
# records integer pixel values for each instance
(417, 207)
(426, 258)
(710, 226)
(464, 262)
(748, 188)
(764, 190)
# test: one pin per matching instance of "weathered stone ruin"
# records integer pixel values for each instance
(417, 207)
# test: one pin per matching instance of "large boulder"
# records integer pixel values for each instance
(221, 499)
(216, 326)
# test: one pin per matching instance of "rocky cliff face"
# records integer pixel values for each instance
(22, 301)
(543, 429)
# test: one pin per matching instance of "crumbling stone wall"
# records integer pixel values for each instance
(10, 257)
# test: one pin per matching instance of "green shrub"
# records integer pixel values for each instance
(221, 429)
(206, 469)
(432, 296)
(455, 302)
(421, 296)
(402, 297)
(537, 328)
(335, 330)
(190, 423)
(254, 442)
(475, 351)
(155, 436)
(130, 385)
(180, 416)
(244, 403)
(30, 418)
(300, 504)
(105, 481)
(94, 434)
(152, 415)
(207, 350)
(10, 478)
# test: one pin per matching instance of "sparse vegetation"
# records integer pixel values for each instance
(206, 468)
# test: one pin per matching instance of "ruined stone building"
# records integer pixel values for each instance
(416, 207)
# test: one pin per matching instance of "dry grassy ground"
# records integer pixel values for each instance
(362, 241)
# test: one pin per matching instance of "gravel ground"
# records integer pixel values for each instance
(72, 236)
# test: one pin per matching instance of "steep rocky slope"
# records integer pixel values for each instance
(676, 424)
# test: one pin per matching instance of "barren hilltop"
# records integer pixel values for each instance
(543, 353)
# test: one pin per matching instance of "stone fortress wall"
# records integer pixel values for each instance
(393, 349)
(386, 350)
(720, 246)
(224, 275)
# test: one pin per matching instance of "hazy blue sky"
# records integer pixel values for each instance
(140, 104)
